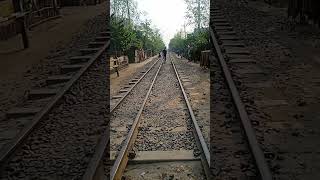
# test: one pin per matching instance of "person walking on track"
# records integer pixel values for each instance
(164, 53)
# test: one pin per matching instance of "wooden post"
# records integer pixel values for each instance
(116, 65)
(55, 4)
(204, 60)
(24, 31)
(25, 37)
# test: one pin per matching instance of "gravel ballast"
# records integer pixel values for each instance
(64, 142)
(287, 132)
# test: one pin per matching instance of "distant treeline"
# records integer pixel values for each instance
(129, 32)
(190, 46)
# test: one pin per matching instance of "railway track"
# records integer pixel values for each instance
(25, 120)
(232, 60)
(96, 169)
(128, 152)
(142, 144)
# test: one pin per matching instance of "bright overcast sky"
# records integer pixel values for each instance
(167, 15)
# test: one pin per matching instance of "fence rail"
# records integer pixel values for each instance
(18, 23)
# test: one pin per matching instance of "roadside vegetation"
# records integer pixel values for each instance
(190, 44)
(129, 32)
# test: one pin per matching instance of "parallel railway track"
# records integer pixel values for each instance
(57, 86)
(41, 101)
(94, 170)
(227, 45)
(123, 157)
(98, 166)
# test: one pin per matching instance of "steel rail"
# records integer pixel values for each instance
(260, 160)
(122, 158)
(93, 167)
(201, 144)
(125, 95)
(8, 150)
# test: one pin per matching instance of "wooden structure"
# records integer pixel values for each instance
(118, 63)
(204, 60)
(148, 53)
(27, 14)
(13, 26)
(139, 55)
(79, 2)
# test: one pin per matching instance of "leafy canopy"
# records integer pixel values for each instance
(128, 30)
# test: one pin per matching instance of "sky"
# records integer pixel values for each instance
(166, 15)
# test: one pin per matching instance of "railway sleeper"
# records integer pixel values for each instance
(42, 93)
(102, 38)
(232, 44)
(248, 69)
(87, 51)
(248, 60)
(271, 103)
(212, 8)
(96, 44)
(79, 59)
(116, 97)
(240, 51)
(222, 24)
(142, 157)
(218, 21)
(58, 79)
(226, 33)
(22, 112)
(236, 56)
(71, 68)
(123, 90)
(218, 16)
(228, 37)
(215, 11)
(186, 80)
(106, 33)
(223, 28)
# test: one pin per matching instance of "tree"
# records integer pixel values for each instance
(127, 9)
(129, 32)
(198, 13)
(191, 46)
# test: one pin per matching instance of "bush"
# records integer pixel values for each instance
(191, 46)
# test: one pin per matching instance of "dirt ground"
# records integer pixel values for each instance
(15, 60)
(21, 69)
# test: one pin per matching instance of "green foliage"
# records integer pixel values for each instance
(198, 13)
(192, 45)
(178, 44)
(125, 9)
(128, 32)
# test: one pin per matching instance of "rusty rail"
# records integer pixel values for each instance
(93, 167)
(201, 144)
(122, 158)
(8, 150)
(258, 154)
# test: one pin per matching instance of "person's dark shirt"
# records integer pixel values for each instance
(164, 52)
